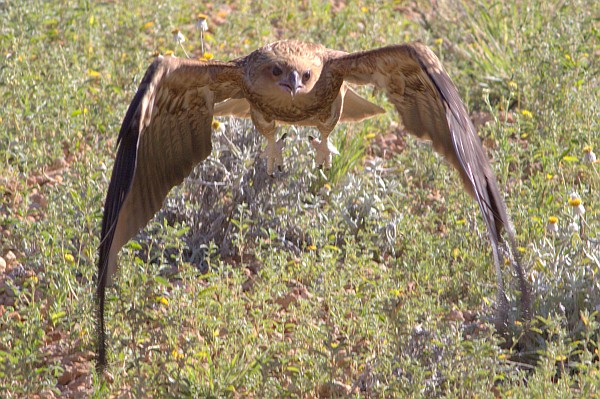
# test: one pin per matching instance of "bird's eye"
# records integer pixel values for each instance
(277, 71)
(306, 76)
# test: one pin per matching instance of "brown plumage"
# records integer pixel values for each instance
(167, 130)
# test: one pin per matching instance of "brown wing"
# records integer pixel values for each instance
(165, 133)
(431, 108)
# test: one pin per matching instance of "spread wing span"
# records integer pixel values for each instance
(167, 131)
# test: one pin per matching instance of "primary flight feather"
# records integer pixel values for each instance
(167, 129)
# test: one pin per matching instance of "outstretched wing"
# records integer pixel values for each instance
(431, 109)
(165, 133)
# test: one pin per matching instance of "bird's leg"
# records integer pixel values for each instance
(327, 122)
(273, 151)
(324, 149)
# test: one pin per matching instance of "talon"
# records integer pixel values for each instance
(324, 151)
(274, 155)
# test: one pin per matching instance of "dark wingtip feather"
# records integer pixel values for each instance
(468, 149)
(478, 173)
(120, 183)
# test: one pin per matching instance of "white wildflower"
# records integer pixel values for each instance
(576, 204)
(178, 36)
(217, 126)
(588, 155)
(202, 26)
(552, 226)
(202, 23)
(574, 227)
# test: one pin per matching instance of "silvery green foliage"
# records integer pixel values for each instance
(234, 179)
(235, 175)
(564, 276)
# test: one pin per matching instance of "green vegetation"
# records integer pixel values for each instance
(377, 282)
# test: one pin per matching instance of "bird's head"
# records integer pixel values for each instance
(287, 68)
(292, 79)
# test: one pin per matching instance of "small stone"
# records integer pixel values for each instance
(469, 315)
(333, 389)
(455, 315)
(286, 300)
(10, 257)
(58, 163)
(108, 377)
(47, 394)
(37, 201)
(72, 372)
(79, 385)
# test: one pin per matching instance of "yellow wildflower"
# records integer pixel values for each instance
(162, 299)
(574, 201)
(526, 113)
(93, 74)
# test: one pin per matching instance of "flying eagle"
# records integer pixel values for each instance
(167, 130)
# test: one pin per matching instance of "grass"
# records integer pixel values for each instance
(377, 282)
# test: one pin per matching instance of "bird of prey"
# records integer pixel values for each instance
(167, 130)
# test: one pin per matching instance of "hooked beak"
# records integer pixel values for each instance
(293, 83)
